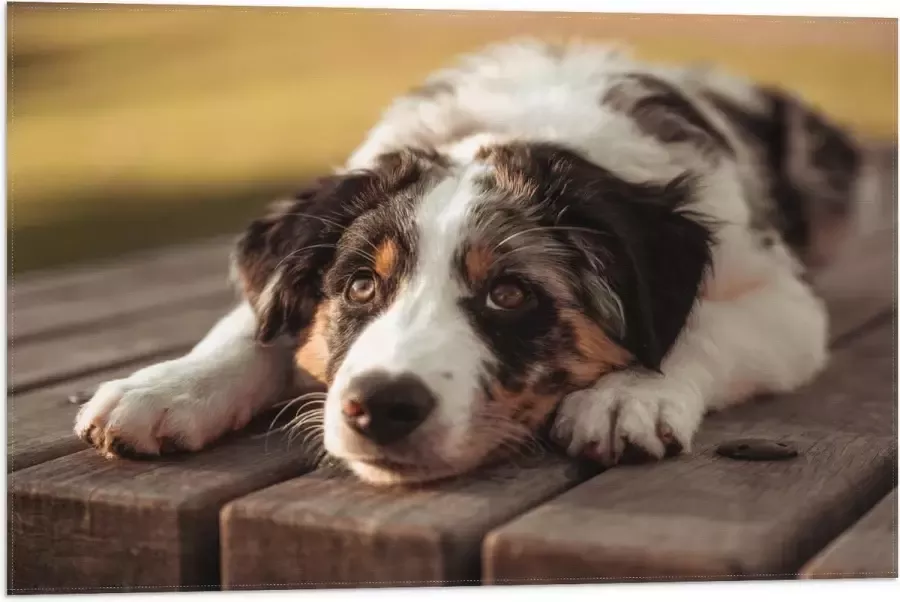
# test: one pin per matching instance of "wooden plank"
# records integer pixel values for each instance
(39, 423)
(331, 531)
(62, 301)
(45, 362)
(67, 316)
(81, 523)
(159, 265)
(867, 549)
(703, 516)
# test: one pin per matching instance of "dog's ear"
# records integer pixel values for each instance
(280, 259)
(666, 254)
(643, 247)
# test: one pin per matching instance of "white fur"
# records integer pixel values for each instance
(516, 91)
(757, 329)
(194, 399)
(768, 340)
(423, 332)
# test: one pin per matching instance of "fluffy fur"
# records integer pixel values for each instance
(540, 232)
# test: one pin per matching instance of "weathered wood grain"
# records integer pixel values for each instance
(82, 523)
(164, 265)
(867, 549)
(45, 362)
(333, 531)
(59, 317)
(62, 302)
(703, 516)
(39, 423)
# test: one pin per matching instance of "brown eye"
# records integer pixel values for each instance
(506, 296)
(362, 288)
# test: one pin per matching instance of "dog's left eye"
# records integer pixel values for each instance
(362, 288)
(507, 296)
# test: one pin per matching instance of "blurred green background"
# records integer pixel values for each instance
(136, 126)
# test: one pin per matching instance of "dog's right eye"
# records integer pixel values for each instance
(362, 288)
(508, 295)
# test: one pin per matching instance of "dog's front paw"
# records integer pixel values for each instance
(167, 407)
(629, 413)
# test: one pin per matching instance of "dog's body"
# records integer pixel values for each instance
(540, 228)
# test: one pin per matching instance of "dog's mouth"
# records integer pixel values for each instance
(386, 464)
(382, 470)
(379, 470)
(425, 460)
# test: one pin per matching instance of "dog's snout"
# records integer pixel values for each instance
(386, 408)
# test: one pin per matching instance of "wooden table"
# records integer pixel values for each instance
(252, 513)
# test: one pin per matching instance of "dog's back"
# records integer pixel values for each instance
(803, 177)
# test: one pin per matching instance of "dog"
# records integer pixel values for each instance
(540, 236)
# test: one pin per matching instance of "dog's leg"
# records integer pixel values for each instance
(185, 403)
(771, 339)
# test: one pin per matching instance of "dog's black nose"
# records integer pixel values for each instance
(386, 408)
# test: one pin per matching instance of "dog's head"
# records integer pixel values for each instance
(449, 307)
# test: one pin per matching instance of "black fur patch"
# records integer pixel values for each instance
(810, 164)
(660, 110)
(638, 237)
(518, 342)
(298, 241)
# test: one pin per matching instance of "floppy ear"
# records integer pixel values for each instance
(665, 259)
(643, 246)
(279, 261)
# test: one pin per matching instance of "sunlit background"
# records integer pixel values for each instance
(136, 126)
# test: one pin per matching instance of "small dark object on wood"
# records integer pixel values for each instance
(756, 449)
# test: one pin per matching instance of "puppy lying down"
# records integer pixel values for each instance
(539, 234)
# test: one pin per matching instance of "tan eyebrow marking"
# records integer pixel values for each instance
(479, 259)
(387, 257)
